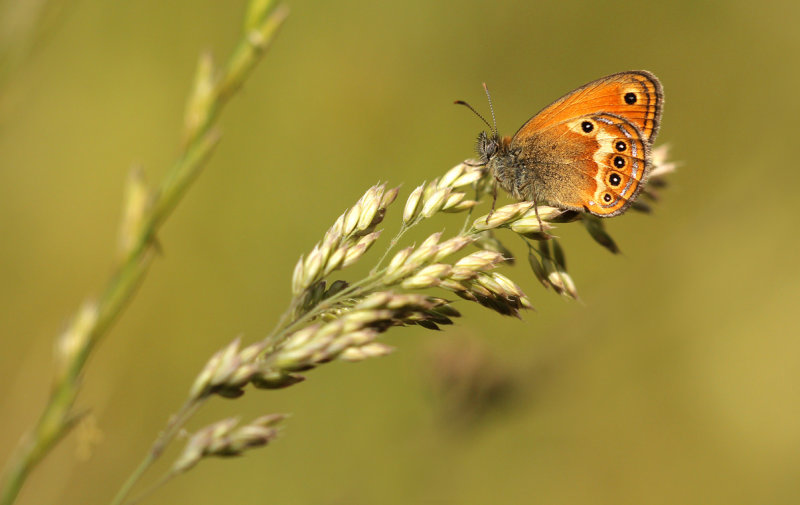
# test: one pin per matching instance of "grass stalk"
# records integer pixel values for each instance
(93, 321)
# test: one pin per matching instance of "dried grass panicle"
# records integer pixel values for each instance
(225, 439)
(343, 320)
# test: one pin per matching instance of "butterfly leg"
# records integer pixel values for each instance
(536, 211)
(494, 201)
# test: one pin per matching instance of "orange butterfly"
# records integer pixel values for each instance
(587, 151)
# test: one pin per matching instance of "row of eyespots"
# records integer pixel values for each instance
(614, 178)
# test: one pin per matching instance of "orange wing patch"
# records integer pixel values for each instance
(636, 96)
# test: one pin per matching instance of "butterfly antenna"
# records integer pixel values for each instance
(491, 108)
(470, 107)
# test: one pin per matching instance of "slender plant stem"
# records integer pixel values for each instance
(147, 492)
(263, 21)
(277, 337)
(173, 426)
(57, 418)
(392, 244)
(468, 218)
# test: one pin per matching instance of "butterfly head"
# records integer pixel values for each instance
(487, 146)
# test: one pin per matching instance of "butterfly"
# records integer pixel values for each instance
(588, 151)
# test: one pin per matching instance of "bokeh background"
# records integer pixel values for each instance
(675, 379)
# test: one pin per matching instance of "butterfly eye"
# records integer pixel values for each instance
(614, 180)
(619, 161)
(607, 197)
(587, 126)
(630, 98)
(620, 146)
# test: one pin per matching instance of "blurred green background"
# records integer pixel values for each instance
(690, 397)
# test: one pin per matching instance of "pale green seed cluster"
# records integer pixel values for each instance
(469, 277)
(344, 319)
(350, 335)
(347, 240)
(347, 333)
(521, 217)
(440, 195)
(225, 438)
(492, 290)
(231, 369)
(421, 263)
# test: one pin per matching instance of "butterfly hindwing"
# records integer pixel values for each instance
(594, 163)
(621, 158)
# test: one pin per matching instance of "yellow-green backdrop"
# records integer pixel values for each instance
(674, 380)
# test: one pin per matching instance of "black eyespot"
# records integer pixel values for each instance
(587, 126)
(606, 198)
(619, 161)
(620, 146)
(630, 98)
(614, 179)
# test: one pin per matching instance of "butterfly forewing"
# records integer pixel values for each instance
(636, 96)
